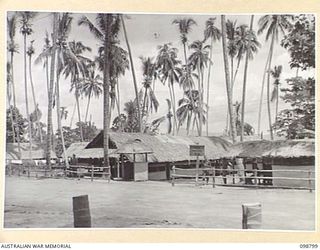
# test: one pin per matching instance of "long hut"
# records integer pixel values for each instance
(166, 151)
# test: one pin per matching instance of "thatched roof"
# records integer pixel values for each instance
(166, 148)
(279, 148)
(134, 147)
(75, 149)
(38, 151)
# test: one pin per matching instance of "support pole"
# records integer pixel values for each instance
(173, 175)
(197, 171)
(92, 171)
(309, 181)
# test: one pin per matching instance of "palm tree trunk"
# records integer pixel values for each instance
(144, 102)
(50, 97)
(14, 103)
(118, 95)
(59, 120)
(26, 94)
(200, 98)
(174, 108)
(245, 84)
(132, 70)
(87, 110)
(208, 88)
(261, 94)
(78, 106)
(277, 104)
(11, 118)
(34, 101)
(106, 94)
(228, 79)
(268, 86)
(171, 99)
(47, 74)
(185, 54)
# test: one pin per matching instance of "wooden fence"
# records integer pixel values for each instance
(252, 178)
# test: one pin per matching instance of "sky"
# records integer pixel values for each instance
(141, 30)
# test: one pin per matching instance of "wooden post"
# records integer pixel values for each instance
(78, 173)
(92, 172)
(309, 181)
(197, 171)
(173, 175)
(213, 176)
(118, 168)
(28, 171)
(122, 166)
(251, 216)
(255, 177)
(233, 177)
(81, 211)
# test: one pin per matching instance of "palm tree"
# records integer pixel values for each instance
(92, 86)
(199, 60)
(167, 117)
(228, 78)
(30, 52)
(13, 48)
(75, 65)
(9, 87)
(169, 72)
(276, 72)
(274, 24)
(249, 45)
(103, 31)
(212, 32)
(132, 69)
(150, 101)
(26, 30)
(184, 25)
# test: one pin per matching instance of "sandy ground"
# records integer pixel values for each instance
(47, 203)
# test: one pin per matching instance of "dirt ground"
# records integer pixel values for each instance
(47, 203)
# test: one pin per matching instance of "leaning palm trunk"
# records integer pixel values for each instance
(208, 88)
(26, 94)
(174, 109)
(245, 84)
(87, 109)
(277, 103)
(262, 90)
(268, 86)
(34, 101)
(171, 99)
(132, 71)
(59, 121)
(227, 75)
(78, 110)
(50, 93)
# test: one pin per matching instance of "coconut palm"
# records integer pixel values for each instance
(199, 60)
(273, 25)
(9, 87)
(30, 52)
(212, 32)
(228, 78)
(75, 67)
(167, 117)
(105, 29)
(12, 49)
(169, 72)
(132, 69)
(91, 86)
(150, 101)
(276, 73)
(26, 30)
(184, 25)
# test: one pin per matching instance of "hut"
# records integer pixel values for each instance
(37, 155)
(167, 150)
(285, 155)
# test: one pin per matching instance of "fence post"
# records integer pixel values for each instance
(173, 175)
(197, 171)
(255, 177)
(233, 180)
(92, 170)
(81, 211)
(28, 171)
(78, 173)
(251, 216)
(213, 176)
(309, 181)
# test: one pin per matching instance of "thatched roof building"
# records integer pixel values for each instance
(37, 153)
(76, 149)
(165, 148)
(279, 148)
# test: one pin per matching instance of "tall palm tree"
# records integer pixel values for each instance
(170, 72)
(26, 30)
(184, 25)
(249, 46)
(102, 30)
(75, 66)
(132, 69)
(30, 52)
(199, 60)
(167, 117)
(91, 86)
(212, 32)
(12, 49)
(150, 101)
(228, 78)
(276, 73)
(273, 24)
(9, 95)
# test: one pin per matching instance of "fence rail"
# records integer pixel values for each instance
(252, 178)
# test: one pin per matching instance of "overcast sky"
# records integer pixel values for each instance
(141, 29)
